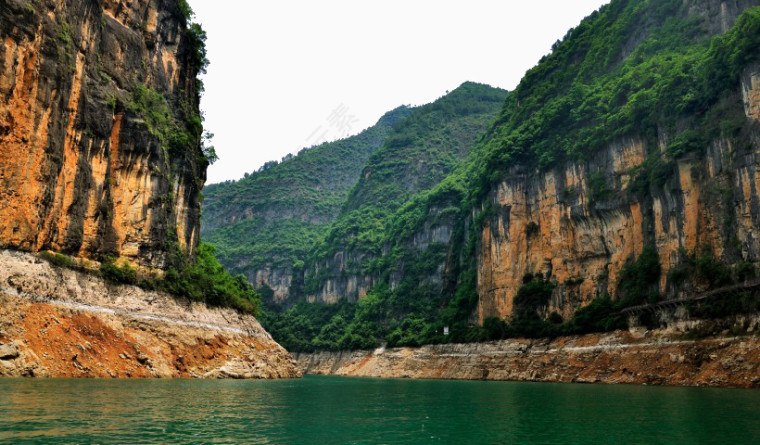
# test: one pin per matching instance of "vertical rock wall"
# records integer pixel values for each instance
(551, 223)
(92, 96)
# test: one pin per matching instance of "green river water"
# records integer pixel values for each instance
(333, 410)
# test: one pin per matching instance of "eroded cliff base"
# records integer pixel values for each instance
(638, 356)
(63, 323)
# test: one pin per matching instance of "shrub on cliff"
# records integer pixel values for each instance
(60, 260)
(638, 279)
(124, 274)
(496, 328)
(204, 279)
(200, 279)
(602, 315)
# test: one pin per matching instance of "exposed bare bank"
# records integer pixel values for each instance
(62, 323)
(662, 357)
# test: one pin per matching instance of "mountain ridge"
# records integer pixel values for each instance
(618, 173)
(272, 239)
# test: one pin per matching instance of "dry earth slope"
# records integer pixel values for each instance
(64, 323)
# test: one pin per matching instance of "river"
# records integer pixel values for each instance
(334, 410)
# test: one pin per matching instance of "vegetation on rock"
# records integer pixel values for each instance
(650, 70)
(274, 217)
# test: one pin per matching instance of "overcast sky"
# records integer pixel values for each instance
(281, 68)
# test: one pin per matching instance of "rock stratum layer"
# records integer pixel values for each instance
(660, 357)
(63, 323)
(100, 129)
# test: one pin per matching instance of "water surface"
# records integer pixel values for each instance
(333, 410)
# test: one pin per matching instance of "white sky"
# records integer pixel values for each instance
(279, 68)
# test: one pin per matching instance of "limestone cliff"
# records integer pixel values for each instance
(342, 275)
(99, 128)
(668, 184)
(551, 223)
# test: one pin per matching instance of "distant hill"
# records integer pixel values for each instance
(265, 224)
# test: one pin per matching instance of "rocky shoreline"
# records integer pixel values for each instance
(58, 322)
(637, 356)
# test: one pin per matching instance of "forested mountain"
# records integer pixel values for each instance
(620, 172)
(265, 224)
(420, 151)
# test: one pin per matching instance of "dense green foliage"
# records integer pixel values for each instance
(417, 155)
(345, 326)
(281, 211)
(641, 69)
(124, 274)
(179, 133)
(532, 295)
(205, 279)
(196, 39)
(597, 87)
(702, 267)
(638, 280)
(60, 260)
(185, 9)
(201, 278)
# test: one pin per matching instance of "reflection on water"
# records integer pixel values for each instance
(339, 410)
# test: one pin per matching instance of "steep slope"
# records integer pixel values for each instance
(100, 129)
(619, 173)
(421, 151)
(63, 323)
(101, 162)
(635, 140)
(370, 254)
(612, 177)
(265, 225)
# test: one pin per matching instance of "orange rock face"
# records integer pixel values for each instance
(545, 226)
(559, 224)
(82, 169)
